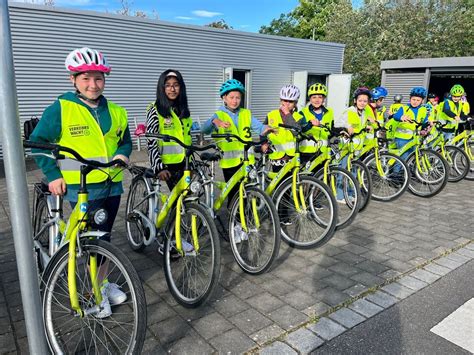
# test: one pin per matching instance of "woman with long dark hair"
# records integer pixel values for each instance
(169, 114)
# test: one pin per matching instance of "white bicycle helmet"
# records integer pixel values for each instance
(86, 59)
(290, 92)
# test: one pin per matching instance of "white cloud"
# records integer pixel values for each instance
(204, 13)
(244, 26)
(185, 18)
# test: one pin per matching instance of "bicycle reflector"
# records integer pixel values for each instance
(100, 216)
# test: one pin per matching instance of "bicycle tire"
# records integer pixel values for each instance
(470, 174)
(319, 222)
(41, 215)
(458, 163)
(248, 248)
(361, 173)
(395, 180)
(182, 288)
(67, 332)
(133, 225)
(431, 181)
(349, 207)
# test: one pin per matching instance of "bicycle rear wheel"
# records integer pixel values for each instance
(314, 222)
(254, 249)
(193, 276)
(41, 216)
(430, 176)
(123, 332)
(458, 162)
(137, 205)
(470, 154)
(392, 181)
(341, 182)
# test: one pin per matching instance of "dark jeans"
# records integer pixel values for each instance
(111, 205)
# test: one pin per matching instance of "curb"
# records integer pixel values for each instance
(341, 318)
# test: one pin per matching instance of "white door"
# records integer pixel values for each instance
(339, 92)
(300, 79)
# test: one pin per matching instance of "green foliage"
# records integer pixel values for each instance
(383, 30)
(219, 24)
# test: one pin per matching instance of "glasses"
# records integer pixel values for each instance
(169, 86)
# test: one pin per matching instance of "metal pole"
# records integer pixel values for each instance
(15, 173)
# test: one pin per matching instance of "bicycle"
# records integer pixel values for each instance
(183, 228)
(306, 207)
(253, 223)
(429, 171)
(73, 264)
(457, 158)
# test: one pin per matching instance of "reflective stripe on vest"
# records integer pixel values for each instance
(233, 151)
(81, 132)
(283, 141)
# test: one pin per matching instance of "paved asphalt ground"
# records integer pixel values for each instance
(309, 296)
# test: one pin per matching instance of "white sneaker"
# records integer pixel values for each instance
(113, 293)
(105, 308)
(239, 234)
(341, 201)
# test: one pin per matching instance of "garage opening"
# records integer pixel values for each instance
(441, 83)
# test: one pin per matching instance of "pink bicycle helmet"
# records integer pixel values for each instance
(86, 59)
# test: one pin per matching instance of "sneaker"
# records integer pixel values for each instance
(341, 201)
(113, 293)
(105, 308)
(286, 222)
(239, 234)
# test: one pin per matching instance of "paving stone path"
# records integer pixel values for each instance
(308, 297)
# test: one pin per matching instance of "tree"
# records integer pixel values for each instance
(219, 24)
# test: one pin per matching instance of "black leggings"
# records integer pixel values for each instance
(176, 171)
(228, 173)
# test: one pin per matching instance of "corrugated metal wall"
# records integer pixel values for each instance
(401, 83)
(139, 50)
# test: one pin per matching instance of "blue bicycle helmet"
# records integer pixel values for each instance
(379, 92)
(231, 85)
(418, 91)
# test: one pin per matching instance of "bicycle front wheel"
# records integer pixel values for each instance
(389, 179)
(429, 176)
(137, 206)
(122, 332)
(363, 177)
(255, 248)
(192, 275)
(458, 162)
(313, 222)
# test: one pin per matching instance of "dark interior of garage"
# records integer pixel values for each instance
(441, 83)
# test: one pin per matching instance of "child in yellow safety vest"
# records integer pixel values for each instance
(283, 140)
(232, 118)
(311, 118)
(169, 114)
(451, 111)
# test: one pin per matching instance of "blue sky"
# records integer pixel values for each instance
(244, 15)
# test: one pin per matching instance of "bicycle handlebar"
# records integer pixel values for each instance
(230, 136)
(167, 138)
(56, 148)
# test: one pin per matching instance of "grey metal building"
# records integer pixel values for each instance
(438, 75)
(140, 49)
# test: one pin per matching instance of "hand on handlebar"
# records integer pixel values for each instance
(122, 158)
(57, 187)
(406, 118)
(315, 122)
